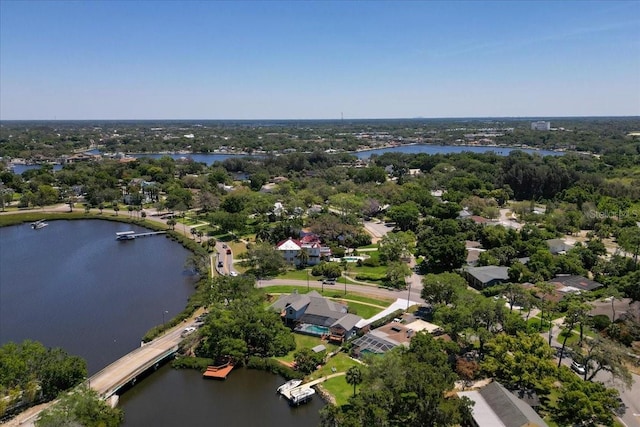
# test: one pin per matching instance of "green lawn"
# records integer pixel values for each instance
(298, 275)
(338, 386)
(364, 311)
(306, 341)
(332, 292)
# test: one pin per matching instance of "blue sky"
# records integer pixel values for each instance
(306, 60)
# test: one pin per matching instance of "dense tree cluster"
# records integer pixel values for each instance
(406, 387)
(238, 326)
(29, 372)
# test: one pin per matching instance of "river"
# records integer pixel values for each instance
(72, 285)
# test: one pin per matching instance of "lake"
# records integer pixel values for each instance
(72, 285)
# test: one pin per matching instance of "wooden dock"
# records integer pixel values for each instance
(218, 372)
(130, 235)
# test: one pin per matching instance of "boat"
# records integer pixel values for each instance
(125, 235)
(291, 384)
(39, 224)
(301, 395)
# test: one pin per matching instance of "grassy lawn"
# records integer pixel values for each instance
(298, 275)
(364, 311)
(338, 386)
(329, 293)
(306, 341)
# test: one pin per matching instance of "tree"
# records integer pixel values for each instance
(116, 208)
(306, 360)
(522, 361)
(263, 260)
(396, 274)
(171, 223)
(354, 377)
(629, 240)
(442, 288)
(545, 289)
(395, 246)
(585, 403)
(82, 407)
(405, 215)
(602, 354)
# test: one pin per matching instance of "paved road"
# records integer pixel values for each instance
(371, 291)
(630, 396)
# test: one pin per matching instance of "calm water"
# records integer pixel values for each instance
(72, 285)
(210, 159)
(183, 398)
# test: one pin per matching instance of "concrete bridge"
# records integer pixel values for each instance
(120, 373)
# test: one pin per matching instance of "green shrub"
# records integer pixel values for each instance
(199, 363)
(273, 366)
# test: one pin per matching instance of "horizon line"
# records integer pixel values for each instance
(324, 119)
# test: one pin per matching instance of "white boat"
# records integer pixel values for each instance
(301, 395)
(39, 224)
(125, 235)
(288, 386)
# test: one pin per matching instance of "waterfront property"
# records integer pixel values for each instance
(394, 334)
(315, 315)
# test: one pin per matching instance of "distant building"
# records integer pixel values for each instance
(541, 125)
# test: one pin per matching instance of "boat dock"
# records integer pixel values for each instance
(302, 393)
(218, 372)
(130, 235)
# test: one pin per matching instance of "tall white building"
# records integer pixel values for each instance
(541, 125)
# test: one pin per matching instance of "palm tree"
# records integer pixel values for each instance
(354, 377)
(303, 257)
(116, 208)
(171, 223)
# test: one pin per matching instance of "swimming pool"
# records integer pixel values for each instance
(315, 330)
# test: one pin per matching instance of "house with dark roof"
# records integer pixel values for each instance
(578, 283)
(495, 406)
(482, 277)
(557, 246)
(394, 334)
(313, 309)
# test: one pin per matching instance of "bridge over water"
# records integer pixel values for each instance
(120, 373)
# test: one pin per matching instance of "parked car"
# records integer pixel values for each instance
(220, 265)
(578, 368)
(233, 273)
(228, 251)
(329, 282)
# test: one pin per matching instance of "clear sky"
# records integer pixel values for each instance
(306, 60)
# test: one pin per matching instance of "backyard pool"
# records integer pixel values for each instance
(315, 330)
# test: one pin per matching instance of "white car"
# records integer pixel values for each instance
(188, 331)
(578, 368)
(233, 273)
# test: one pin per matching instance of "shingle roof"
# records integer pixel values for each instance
(495, 405)
(347, 322)
(577, 282)
(512, 411)
(488, 273)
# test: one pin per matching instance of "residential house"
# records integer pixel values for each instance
(394, 334)
(291, 249)
(576, 283)
(313, 309)
(558, 246)
(494, 406)
(483, 277)
(623, 308)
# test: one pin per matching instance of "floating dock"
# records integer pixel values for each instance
(130, 235)
(218, 372)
